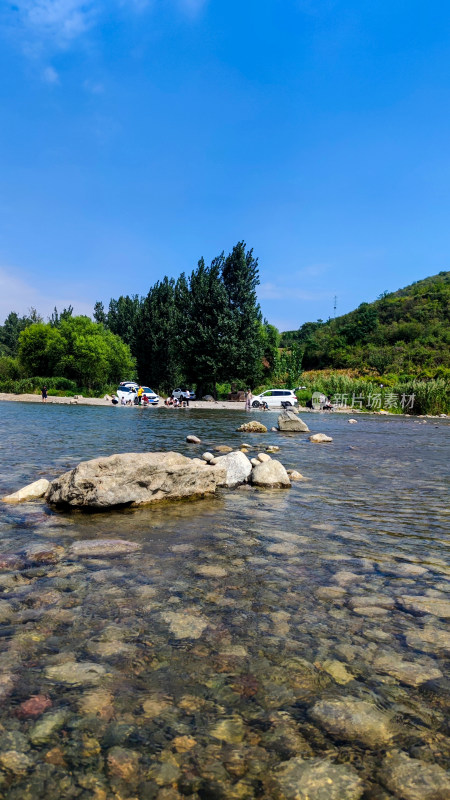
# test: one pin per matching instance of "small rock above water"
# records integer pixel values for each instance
(237, 468)
(31, 492)
(290, 422)
(355, 720)
(270, 474)
(320, 438)
(411, 779)
(99, 548)
(191, 439)
(252, 427)
(314, 779)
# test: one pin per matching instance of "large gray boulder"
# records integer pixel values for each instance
(288, 421)
(134, 479)
(271, 474)
(237, 467)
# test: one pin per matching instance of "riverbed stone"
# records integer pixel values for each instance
(15, 762)
(410, 672)
(290, 422)
(133, 479)
(338, 671)
(43, 730)
(223, 448)
(429, 639)
(99, 548)
(403, 569)
(33, 491)
(230, 730)
(208, 457)
(211, 571)
(185, 625)
(44, 553)
(237, 468)
(76, 673)
(419, 604)
(6, 611)
(355, 720)
(97, 702)
(191, 439)
(314, 779)
(319, 438)
(34, 706)
(380, 600)
(262, 457)
(271, 475)
(252, 427)
(412, 779)
(123, 764)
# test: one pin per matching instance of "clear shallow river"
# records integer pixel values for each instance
(283, 644)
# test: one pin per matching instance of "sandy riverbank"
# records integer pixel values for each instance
(100, 401)
(204, 404)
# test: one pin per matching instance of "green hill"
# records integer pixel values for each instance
(405, 333)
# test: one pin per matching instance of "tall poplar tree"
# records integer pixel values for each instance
(240, 277)
(157, 339)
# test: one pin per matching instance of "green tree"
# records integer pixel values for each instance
(41, 348)
(158, 338)
(124, 318)
(240, 277)
(77, 349)
(12, 328)
(100, 313)
(207, 327)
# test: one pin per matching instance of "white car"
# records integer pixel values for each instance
(129, 389)
(275, 398)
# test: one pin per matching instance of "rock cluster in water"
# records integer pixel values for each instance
(135, 479)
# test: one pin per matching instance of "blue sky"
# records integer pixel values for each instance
(137, 136)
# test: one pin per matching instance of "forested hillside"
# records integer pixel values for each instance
(406, 332)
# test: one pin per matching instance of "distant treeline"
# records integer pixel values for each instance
(404, 333)
(203, 329)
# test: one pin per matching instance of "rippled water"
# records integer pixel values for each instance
(281, 644)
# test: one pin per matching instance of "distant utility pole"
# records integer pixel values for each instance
(335, 305)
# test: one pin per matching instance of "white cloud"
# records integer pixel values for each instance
(50, 75)
(192, 7)
(16, 294)
(94, 87)
(58, 21)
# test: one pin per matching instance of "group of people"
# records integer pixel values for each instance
(176, 402)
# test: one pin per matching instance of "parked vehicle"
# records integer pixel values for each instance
(275, 398)
(129, 389)
(180, 394)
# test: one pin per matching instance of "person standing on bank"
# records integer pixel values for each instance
(187, 396)
(248, 400)
(44, 394)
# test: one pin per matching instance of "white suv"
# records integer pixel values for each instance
(275, 398)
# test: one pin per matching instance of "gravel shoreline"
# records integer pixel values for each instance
(203, 404)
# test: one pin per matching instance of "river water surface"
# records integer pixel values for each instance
(264, 644)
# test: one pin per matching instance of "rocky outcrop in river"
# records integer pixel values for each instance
(134, 479)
